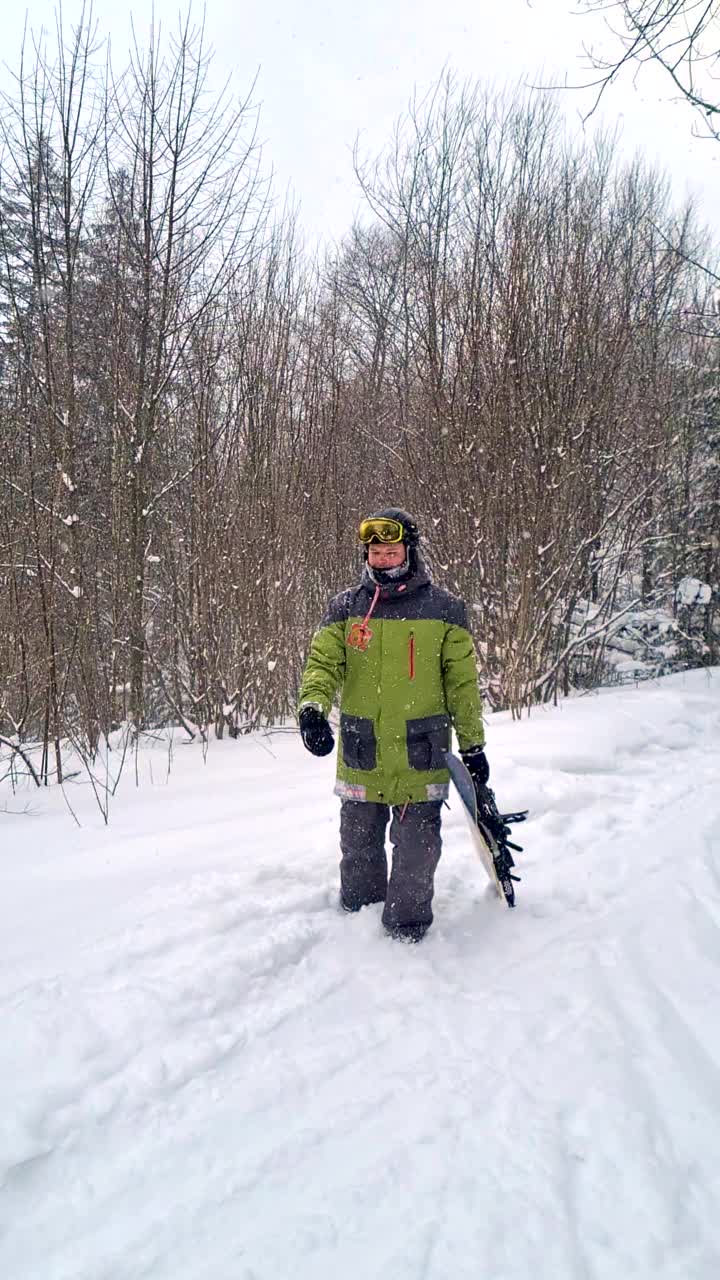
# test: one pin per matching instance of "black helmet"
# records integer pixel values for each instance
(411, 534)
(410, 539)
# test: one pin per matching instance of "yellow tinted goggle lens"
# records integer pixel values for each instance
(383, 530)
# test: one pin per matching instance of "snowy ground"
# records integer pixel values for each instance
(207, 1073)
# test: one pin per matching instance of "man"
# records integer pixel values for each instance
(399, 649)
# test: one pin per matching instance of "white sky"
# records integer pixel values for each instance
(327, 72)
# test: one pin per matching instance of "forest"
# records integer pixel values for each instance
(518, 341)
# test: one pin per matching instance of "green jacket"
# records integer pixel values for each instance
(404, 680)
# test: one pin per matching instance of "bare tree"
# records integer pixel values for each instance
(193, 183)
(534, 326)
(680, 36)
(50, 131)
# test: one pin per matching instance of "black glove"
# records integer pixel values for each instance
(475, 762)
(316, 733)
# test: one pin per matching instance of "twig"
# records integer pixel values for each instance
(26, 760)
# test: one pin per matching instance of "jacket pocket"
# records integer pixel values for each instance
(359, 746)
(427, 741)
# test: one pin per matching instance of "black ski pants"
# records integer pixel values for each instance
(415, 837)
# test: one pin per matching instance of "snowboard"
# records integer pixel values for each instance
(485, 845)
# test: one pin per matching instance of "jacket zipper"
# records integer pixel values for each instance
(411, 655)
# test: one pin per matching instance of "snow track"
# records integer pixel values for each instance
(209, 1073)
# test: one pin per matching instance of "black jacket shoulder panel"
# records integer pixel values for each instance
(427, 602)
(444, 605)
(451, 608)
(340, 607)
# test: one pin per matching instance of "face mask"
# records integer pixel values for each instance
(383, 576)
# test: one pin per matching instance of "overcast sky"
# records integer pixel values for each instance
(328, 72)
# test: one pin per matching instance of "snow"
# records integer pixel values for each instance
(640, 643)
(209, 1073)
(691, 591)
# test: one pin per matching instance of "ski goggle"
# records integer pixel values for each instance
(380, 529)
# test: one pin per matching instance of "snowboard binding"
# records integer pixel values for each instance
(496, 827)
(489, 827)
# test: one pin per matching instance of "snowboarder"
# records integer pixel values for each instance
(399, 649)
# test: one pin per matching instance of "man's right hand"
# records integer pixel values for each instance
(316, 733)
(476, 763)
